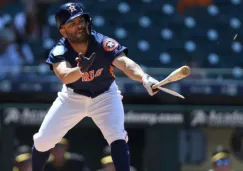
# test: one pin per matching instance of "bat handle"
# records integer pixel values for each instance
(154, 86)
(161, 83)
(171, 92)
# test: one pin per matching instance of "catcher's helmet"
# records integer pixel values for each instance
(69, 11)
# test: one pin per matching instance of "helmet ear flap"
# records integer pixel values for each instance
(88, 26)
(90, 20)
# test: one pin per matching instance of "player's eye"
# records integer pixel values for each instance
(82, 21)
(72, 24)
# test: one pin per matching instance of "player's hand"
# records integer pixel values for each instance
(84, 62)
(148, 82)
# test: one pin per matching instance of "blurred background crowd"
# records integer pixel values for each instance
(202, 132)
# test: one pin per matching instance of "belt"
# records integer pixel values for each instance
(88, 94)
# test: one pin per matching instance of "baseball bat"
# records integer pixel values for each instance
(171, 92)
(176, 75)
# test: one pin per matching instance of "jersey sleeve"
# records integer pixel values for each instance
(112, 49)
(57, 54)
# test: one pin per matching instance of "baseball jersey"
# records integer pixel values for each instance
(73, 162)
(100, 75)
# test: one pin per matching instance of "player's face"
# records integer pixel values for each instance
(75, 30)
(109, 167)
(59, 151)
(25, 166)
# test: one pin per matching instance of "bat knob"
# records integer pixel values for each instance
(185, 70)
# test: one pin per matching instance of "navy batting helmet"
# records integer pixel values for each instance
(69, 11)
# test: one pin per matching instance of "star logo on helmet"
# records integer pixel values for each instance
(72, 8)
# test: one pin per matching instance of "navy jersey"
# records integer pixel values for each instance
(100, 75)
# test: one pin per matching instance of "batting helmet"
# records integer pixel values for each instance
(69, 11)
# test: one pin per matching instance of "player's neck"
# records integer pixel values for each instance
(80, 47)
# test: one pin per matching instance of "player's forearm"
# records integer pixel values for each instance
(134, 71)
(71, 75)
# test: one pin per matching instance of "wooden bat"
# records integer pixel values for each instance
(171, 92)
(176, 75)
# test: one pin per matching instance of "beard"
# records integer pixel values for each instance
(78, 37)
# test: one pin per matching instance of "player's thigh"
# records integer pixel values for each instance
(61, 117)
(108, 114)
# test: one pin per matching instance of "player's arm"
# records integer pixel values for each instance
(66, 73)
(129, 67)
(135, 72)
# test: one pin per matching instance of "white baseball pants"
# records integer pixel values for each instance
(70, 108)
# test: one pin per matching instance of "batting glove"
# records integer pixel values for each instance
(84, 62)
(148, 82)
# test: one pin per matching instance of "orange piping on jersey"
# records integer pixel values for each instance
(112, 71)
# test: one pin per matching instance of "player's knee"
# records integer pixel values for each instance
(117, 136)
(42, 143)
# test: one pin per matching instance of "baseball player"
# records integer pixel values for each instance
(83, 60)
(221, 159)
(62, 160)
(22, 158)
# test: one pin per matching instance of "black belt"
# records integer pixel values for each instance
(89, 94)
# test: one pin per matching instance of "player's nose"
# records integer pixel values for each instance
(80, 26)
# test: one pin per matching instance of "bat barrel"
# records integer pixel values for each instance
(185, 70)
(176, 75)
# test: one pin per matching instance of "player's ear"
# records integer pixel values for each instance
(63, 32)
